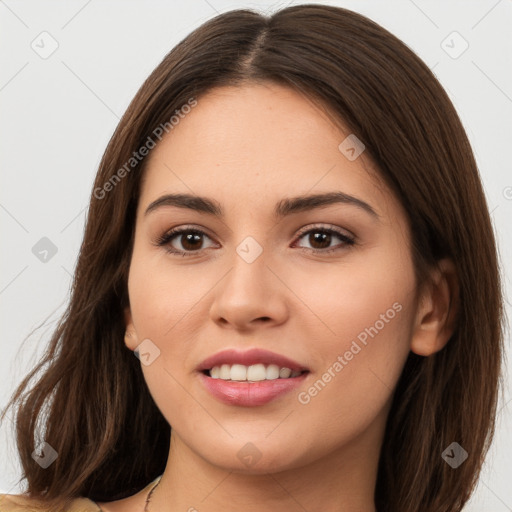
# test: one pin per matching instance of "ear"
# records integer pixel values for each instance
(131, 339)
(437, 310)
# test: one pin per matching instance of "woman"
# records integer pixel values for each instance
(283, 231)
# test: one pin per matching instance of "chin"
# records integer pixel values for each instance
(255, 458)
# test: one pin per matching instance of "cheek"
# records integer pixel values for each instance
(159, 295)
(345, 299)
(158, 313)
(366, 312)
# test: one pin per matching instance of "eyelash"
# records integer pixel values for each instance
(167, 237)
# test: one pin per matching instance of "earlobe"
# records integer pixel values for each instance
(437, 310)
(130, 335)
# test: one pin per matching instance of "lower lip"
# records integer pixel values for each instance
(250, 394)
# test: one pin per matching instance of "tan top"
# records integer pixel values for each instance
(21, 503)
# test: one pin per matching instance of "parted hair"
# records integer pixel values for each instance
(87, 397)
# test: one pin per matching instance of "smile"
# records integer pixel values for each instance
(253, 373)
(248, 393)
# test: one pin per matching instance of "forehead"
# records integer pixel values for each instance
(245, 144)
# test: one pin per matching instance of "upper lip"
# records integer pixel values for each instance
(248, 358)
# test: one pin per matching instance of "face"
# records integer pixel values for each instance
(329, 285)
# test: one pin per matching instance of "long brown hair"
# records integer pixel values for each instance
(91, 400)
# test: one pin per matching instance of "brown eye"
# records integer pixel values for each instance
(190, 241)
(320, 239)
(184, 241)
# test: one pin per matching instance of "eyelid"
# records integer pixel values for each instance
(347, 238)
(165, 238)
(325, 227)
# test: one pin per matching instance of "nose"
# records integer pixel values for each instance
(250, 295)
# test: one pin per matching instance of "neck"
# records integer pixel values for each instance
(343, 480)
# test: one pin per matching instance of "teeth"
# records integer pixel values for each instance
(238, 372)
(225, 371)
(284, 373)
(254, 373)
(272, 372)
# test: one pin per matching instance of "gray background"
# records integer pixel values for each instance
(59, 111)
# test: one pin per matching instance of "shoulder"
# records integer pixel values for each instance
(21, 503)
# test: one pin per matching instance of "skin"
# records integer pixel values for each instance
(248, 148)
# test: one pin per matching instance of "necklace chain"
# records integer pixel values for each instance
(146, 509)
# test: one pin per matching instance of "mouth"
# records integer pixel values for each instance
(248, 393)
(250, 378)
(254, 364)
(254, 373)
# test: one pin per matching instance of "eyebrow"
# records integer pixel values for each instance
(283, 208)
